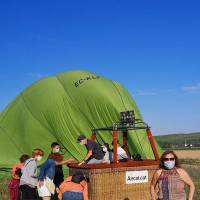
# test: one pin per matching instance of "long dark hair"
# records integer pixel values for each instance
(177, 164)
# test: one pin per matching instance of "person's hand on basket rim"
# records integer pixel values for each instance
(82, 162)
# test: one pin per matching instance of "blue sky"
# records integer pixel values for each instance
(151, 47)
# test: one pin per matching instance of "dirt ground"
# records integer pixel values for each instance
(188, 154)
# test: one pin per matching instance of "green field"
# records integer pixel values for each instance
(178, 141)
(191, 163)
(192, 166)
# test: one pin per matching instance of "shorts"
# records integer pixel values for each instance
(43, 191)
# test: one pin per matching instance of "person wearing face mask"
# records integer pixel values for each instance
(28, 180)
(171, 179)
(59, 176)
(55, 147)
(46, 187)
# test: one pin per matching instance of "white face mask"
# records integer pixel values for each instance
(169, 164)
(39, 158)
(56, 150)
(104, 149)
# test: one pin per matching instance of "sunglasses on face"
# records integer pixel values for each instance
(167, 159)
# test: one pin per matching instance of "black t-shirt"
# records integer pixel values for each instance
(59, 176)
(97, 152)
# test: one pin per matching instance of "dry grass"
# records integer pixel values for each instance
(192, 166)
(188, 154)
(4, 189)
(193, 170)
(190, 161)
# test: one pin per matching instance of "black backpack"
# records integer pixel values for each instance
(18, 172)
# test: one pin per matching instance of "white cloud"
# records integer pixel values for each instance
(145, 93)
(37, 75)
(192, 89)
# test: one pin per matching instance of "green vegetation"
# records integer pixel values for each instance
(178, 140)
(4, 189)
(4, 181)
(193, 168)
(59, 108)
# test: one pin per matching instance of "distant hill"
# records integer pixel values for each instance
(179, 140)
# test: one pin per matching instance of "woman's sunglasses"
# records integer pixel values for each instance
(167, 159)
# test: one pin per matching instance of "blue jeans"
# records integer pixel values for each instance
(94, 161)
(72, 196)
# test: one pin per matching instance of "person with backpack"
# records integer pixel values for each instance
(29, 179)
(74, 187)
(13, 186)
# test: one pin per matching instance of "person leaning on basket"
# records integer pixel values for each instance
(171, 179)
(95, 154)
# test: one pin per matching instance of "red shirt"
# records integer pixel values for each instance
(67, 185)
(14, 168)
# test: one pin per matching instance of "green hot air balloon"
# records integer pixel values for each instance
(59, 108)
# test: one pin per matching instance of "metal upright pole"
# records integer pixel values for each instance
(115, 141)
(125, 132)
(152, 142)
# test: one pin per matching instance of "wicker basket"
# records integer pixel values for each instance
(110, 183)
